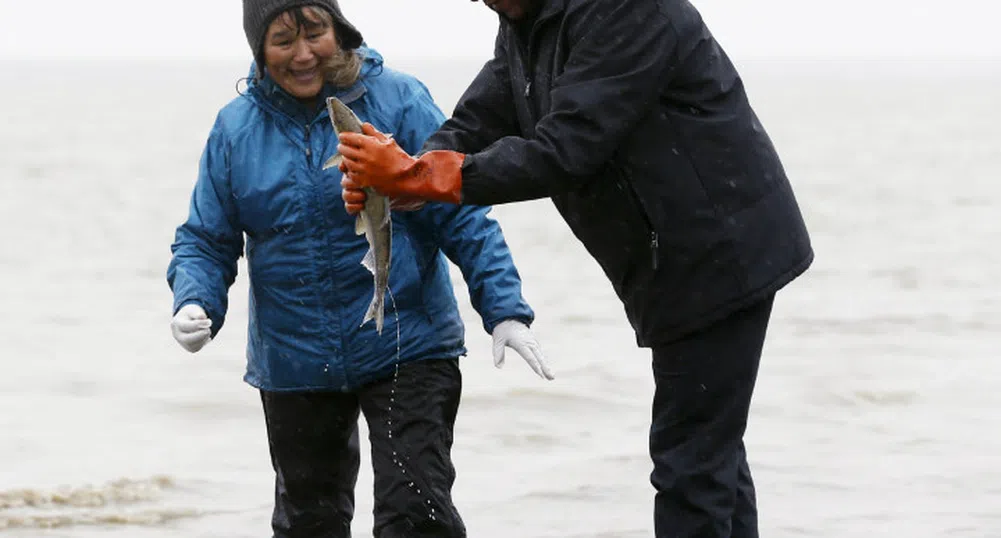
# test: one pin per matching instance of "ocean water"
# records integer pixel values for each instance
(876, 412)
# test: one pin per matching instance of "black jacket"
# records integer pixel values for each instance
(629, 115)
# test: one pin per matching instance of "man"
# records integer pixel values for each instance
(632, 119)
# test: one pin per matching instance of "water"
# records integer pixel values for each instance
(875, 413)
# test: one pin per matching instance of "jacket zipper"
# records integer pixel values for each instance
(526, 64)
(638, 204)
(309, 151)
(526, 53)
(263, 101)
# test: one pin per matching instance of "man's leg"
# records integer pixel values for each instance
(745, 514)
(410, 419)
(704, 384)
(314, 450)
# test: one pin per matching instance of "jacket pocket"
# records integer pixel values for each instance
(606, 216)
(634, 200)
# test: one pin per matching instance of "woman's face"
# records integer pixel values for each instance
(295, 54)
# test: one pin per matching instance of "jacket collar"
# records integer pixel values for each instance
(550, 8)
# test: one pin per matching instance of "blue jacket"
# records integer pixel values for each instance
(260, 177)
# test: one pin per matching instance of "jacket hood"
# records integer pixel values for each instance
(372, 63)
(265, 89)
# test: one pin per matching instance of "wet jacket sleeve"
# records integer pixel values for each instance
(207, 246)
(485, 112)
(466, 234)
(420, 118)
(612, 77)
(475, 243)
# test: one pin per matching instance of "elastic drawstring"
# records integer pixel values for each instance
(238, 81)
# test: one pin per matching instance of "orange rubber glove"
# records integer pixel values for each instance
(354, 199)
(374, 160)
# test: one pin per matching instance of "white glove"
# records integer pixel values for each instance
(517, 336)
(191, 327)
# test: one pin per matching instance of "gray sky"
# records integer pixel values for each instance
(404, 28)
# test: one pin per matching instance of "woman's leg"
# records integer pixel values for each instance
(313, 438)
(410, 419)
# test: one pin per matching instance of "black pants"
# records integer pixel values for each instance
(703, 392)
(314, 450)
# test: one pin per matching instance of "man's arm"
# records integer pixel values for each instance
(621, 57)
(485, 112)
(619, 62)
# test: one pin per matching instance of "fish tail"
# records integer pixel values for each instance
(375, 312)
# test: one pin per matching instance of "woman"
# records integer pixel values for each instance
(313, 361)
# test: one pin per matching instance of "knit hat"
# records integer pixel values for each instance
(258, 15)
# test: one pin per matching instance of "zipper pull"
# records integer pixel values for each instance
(528, 89)
(654, 247)
(309, 152)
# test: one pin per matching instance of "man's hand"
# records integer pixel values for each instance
(372, 159)
(517, 336)
(354, 199)
(352, 194)
(191, 327)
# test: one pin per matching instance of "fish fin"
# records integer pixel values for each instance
(333, 162)
(369, 261)
(360, 224)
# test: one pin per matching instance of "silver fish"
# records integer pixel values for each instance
(374, 221)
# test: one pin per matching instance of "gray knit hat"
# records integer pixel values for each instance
(258, 14)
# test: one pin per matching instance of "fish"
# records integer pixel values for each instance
(374, 222)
